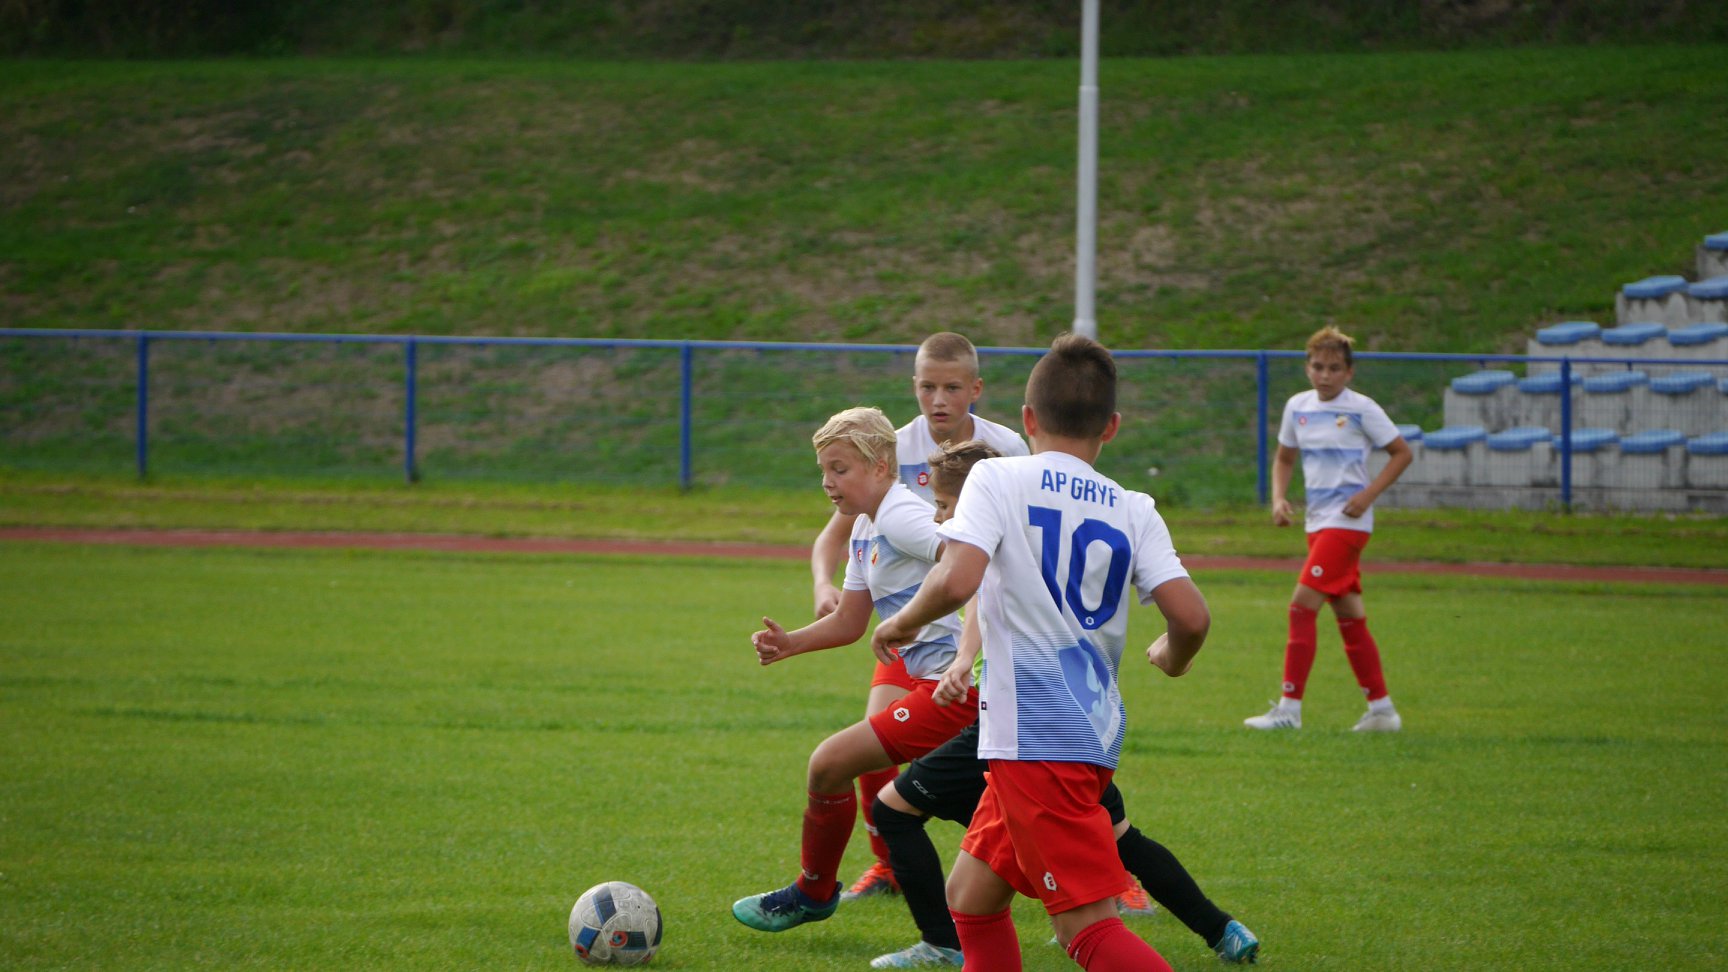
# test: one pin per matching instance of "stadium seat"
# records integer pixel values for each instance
(1522, 456)
(1611, 400)
(1593, 456)
(1713, 256)
(1707, 461)
(1573, 339)
(1707, 300)
(1652, 460)
(1661, 299)
(1412, 435)
(1448, 453)
(1482, 398)
(1704, 341)
(1687, 401)
(1538, 401)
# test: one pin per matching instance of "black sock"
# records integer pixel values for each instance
(918, 868)
(1170, 884)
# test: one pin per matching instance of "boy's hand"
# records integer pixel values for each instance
(1356, 505)
(953, 685)
(771, 645)
(888, 639)
(827, 599)
(1283, 514)
(1159, 655)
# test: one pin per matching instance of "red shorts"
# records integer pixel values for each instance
(914, 724)
(895, 674)
(1039, 827)
(1334, 561)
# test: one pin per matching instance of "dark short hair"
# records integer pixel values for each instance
(950, 466)
(1072, 389)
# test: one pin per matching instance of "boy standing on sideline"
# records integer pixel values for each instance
(893, 545)
(946, 384)
(1333, 428)
(1054, 550)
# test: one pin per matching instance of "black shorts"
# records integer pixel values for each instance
(947, 782)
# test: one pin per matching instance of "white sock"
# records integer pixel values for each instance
(1292, 706)
(1381, 704)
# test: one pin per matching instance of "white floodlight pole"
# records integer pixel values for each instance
(1086, 228)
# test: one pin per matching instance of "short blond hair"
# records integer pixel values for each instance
(1330, 338)
(950, 348)
(865, 427)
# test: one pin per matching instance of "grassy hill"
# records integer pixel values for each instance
(1448, 202)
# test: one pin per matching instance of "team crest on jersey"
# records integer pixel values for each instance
(924, 477)
(1301, 420)
(1342, 421)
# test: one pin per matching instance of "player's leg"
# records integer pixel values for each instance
(829, 814)
(1299, 650)
(1364, 657)
(979, 900)
(1170, 884)
(889, 682)
(1062, 840)
(945, 783)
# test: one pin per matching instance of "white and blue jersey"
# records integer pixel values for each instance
(1336, 438)
(1068, 550)
(889, 556)
(915, 446)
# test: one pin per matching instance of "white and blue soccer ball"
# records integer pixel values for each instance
(615, 923)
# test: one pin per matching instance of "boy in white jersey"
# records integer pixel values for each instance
(1054, 550)
(893, 545)
(1333, 428)
(946, 383)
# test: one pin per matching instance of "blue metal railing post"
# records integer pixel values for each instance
(409, 418)
(143, 434)
(1566, 433)
(685, 355)
(1262, 403)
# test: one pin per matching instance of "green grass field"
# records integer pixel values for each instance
(283, 760)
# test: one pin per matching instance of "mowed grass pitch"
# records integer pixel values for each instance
(329, 760)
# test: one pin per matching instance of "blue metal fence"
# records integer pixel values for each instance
(797, 384)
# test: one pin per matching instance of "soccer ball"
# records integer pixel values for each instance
(615, 923)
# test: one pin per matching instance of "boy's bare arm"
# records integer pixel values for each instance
(1187, 619)
(948, 586)
(1283, 467)
(954, 683)
(826, 556)
(843, 626)
(1398, 459)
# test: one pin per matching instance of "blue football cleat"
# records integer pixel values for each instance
(779, 910)
(1238, 946)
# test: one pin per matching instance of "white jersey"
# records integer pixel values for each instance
(890, 555)
(1068, 547)
(1335, 438)
(916, 446)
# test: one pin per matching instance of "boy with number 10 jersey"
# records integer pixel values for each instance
(1055, 523)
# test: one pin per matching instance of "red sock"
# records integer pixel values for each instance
(1364, 656)
(989, 942)
(869, 785)
(1299, 651)
(1109, 946)
(827, 827)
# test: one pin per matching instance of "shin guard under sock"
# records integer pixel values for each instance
(918, 868)
(1299, 651)
(1170, 884)
(828, 820)
(1109, 946)
(1364, 656)
(989, 942)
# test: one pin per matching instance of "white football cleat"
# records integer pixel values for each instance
(1386, 720)
(1278, 718)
